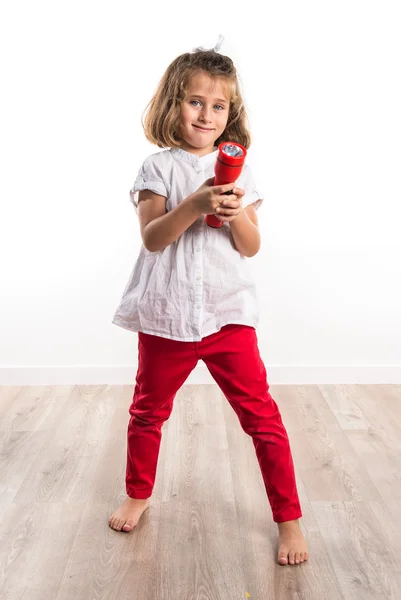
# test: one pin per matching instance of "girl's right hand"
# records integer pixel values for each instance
(208, 197)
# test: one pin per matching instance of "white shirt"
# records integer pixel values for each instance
(200, 282)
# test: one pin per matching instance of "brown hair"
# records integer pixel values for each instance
(163, 113)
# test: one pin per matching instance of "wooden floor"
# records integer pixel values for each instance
(209, 533)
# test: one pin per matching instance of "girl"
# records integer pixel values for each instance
(190, 295)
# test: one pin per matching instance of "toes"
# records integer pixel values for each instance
(129, 525)
(116, 524)
(291, 557)
(120, 524)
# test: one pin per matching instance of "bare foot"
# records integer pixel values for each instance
(292, 546)
(127, 516)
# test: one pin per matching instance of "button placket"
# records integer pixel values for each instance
(198, 274)
(198, 282)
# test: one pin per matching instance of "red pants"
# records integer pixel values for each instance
(232, 357)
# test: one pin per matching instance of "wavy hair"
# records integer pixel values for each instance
(161, 118)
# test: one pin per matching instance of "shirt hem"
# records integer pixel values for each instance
(180, 339)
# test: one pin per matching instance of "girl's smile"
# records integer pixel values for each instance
(198, 127)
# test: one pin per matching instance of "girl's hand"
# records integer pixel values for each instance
(230, 209)
(207, 199)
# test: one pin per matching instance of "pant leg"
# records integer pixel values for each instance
(163, 367)
(233, 359)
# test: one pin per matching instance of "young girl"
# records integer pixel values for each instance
(190, 295)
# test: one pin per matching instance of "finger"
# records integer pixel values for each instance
(239, 192)
(230, 201)
(227, 212)
(233, 203)
(222, 189)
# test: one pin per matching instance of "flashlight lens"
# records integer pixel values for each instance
(232, 150)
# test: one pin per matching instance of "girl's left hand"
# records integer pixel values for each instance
(228, 210)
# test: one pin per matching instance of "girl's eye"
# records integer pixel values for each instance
(219, 106)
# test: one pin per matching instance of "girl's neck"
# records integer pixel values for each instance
(198, 151)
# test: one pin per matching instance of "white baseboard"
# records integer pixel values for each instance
(125, 375)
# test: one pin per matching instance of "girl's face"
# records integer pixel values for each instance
(204, 114)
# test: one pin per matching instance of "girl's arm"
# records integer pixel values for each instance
(245, 232)
(158, 228)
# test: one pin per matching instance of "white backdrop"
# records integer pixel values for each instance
(321, 82)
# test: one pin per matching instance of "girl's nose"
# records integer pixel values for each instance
(205, 114)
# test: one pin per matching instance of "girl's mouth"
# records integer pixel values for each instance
(201, 128)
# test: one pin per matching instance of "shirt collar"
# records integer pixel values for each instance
(199, 162)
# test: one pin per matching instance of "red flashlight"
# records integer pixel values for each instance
(228, 167)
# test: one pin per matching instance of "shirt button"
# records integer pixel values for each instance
(198, 278)
(198, 249)
(197, 307)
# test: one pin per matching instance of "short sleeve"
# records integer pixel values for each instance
(253, 194)
(150, 177)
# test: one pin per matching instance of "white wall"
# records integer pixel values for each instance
(322, 85)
